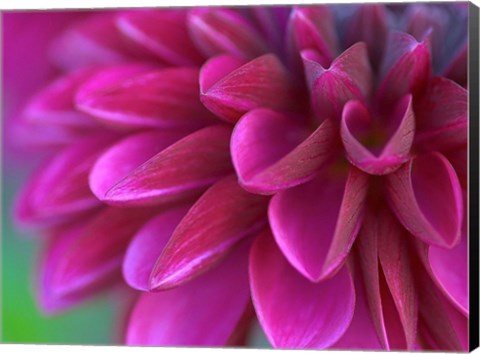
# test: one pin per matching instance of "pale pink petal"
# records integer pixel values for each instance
(271, 151)
(426, 196)
(203, 312)
(293, 312)
(316, 223)
(182, 170)
(197, 245)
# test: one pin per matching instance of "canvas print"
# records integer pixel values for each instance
(280, 176)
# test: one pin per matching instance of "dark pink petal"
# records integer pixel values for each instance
(182, 170)
(348, 77)
(459, 160)
(218, 220)
(147, 245)
(457, 70)
(224, 31)
(356, 120)
(262, 82)
(124, 157)
(426, 196)
(157, 98)
(98, 249)
(60, 189)
(203, 312)
(271, 151)
(406, 68)
(442, 116)
(162, 32)
(295, 313)
(316, 223)
(369, 24)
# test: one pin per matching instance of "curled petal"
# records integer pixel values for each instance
(224, 31)
(185, 314)
(196, 245)
(181, 171)
(163, 32)
(394, 152)
(442, 116)
(272, 152)
(316, 223)
(348, 77)
(262, 82)
(426, 196)
(126, 98)
(294, 312)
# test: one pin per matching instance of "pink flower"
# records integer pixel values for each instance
(308, 161)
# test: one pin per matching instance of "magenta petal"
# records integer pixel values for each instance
(157, 98)
(197, 245)
(224, 31)
(457, 70)
(295, 313)
(348, 77)
(396, 150)
(406, 67)
(271, 151)
(442, 116)
(180, 171)
(426, 196)
(203, 312)
(316, 223)
(122, 158)
(162, 32)
(262, 82)
(147, 245)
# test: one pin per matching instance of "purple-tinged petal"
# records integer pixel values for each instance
(163, 32)
(224, 31)
(262, 82)
(183, 170)
(294, 312)
(157, 98)
(197, 245)
(147, 245)
(272, 22)
(369, 24)
(378, 160)
(459, 160)
(203, 312)
(316, 223)
(271, 151)
(457, 70)
(406, 68)
(442, 116)
(348, 77)
(426, 196)
(122, 158)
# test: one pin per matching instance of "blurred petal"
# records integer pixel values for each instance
(425, 194)
(180, 171)
(295, 313)
(202, 312)
(271, 151)
(208, 232)
(457, 70)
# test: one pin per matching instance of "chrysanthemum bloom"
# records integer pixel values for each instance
(310, 161)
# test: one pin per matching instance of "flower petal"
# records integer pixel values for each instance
(457, 70)
(224, 31)
(426, 196)
(394, 152)
(271, 151)
(348, 77)
(147, 245)
(162, 32)
(442, 116)
(262, 82)
(182, 170)
(197, 245)
(155, 98)
(316, 223)
(294, 312)
(203, 312)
